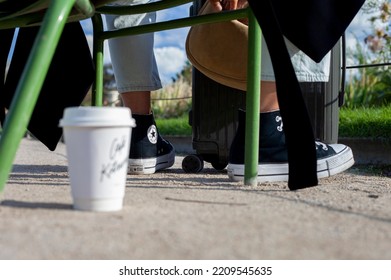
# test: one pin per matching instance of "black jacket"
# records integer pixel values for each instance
(314, 26)
(69, 78)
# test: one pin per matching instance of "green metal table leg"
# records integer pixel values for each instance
(252, 102)
(97, 87)
(31, 83)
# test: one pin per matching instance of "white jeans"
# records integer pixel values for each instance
(134, 62)
(305, 68)
(132, 57)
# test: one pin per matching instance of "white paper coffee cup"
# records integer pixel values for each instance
(97, 143)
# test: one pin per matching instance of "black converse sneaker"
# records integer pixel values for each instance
(273, 157)
(149, 152)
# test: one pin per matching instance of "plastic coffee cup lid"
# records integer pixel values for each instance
(97, 116)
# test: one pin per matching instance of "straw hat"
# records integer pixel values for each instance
(219, 50)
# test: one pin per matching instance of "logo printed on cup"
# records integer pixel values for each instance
(114, 165)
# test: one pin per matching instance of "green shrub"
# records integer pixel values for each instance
(174, 100)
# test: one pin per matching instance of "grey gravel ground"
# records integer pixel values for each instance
(174, 215)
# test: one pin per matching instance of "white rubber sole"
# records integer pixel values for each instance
(326, 167)
(150, 165)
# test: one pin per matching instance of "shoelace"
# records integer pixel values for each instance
(324, 146)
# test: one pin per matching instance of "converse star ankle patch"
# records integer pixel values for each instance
(152, 134)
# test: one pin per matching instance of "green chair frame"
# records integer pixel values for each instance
(52, 15)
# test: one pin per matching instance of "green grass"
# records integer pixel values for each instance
(359, 122)
(174, 126)
(365, 122)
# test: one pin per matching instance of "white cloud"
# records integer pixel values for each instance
(170, 44)
(171, 61)
(174, 37)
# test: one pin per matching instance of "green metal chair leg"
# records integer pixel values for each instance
(252, 102)
(97, 88)
(31, 83)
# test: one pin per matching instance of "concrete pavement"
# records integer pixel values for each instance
(174, 215)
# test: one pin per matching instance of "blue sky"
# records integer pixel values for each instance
(169, 45)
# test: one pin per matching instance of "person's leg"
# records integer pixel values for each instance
(136, 75)
(269, 101)
(273, 160)
(139, 102)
